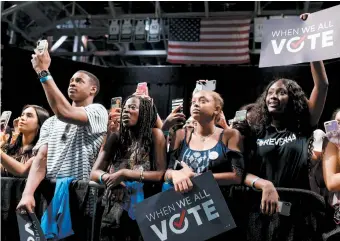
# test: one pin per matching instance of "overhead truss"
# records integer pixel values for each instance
(72, 22)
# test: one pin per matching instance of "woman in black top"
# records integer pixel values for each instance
(284, 119)
(206, 147)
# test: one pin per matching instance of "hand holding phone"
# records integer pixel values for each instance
(115, 113)
(176, 103)
(142, 89)
(175, 119)
(4, 119)
(240, 115)
(331, 126)
(42, 46)
(41, 60)
(177, 114)
(116, 103)
(284, 208)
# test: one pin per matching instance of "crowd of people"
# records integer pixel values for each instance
(133, 149)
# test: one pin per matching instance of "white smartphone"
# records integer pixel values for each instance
(331, 126)
(284, 208)
(230, 122)
(210, 85)
(4, 119)
(42, 45)
(240, 115)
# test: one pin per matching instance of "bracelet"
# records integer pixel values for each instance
(166, 133)
(253, 183)
(141, 177)
(101, 176)
(44, 79)
(167, 179)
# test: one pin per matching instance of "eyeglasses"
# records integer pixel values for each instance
(67, 129)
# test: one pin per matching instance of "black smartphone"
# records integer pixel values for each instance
(284, 208)
(177, 166)
(176, 103)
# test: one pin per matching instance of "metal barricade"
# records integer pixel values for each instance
(96, 188)
(16, 186)
(306, 205)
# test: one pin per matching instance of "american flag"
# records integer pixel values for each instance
(209, 41)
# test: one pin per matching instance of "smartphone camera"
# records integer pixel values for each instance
(42, 45)
(177, 166)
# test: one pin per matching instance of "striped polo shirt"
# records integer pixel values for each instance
(73, 149)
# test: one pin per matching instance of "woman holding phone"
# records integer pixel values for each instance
(331, 167)
(131, 164)
(284, 120)
(206, 148)
(15, 158)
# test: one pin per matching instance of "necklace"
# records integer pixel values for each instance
(204, 138)
(281, 131)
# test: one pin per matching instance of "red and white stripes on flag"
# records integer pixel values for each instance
(209, 41)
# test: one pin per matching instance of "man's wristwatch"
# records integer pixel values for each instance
(43, 74)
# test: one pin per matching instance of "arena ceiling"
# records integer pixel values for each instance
(79, 30)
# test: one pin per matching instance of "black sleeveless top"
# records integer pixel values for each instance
(217, 159)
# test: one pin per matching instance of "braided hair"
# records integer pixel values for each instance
(146, 121)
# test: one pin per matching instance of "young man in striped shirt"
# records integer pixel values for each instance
(72, 138)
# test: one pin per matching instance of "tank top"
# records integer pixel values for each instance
(217, 159)
(334, 200)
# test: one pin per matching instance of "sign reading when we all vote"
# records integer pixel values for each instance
(29, 227)
(291, 40)
(197, 215)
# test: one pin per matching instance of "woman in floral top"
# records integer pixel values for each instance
(132, 161)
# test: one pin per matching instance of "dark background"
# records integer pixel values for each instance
(238, 85)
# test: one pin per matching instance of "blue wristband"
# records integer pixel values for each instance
(101, 176)
(44, 79)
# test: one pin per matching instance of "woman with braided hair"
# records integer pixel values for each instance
(133, 160)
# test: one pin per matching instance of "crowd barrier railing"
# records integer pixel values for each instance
(310, 217)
